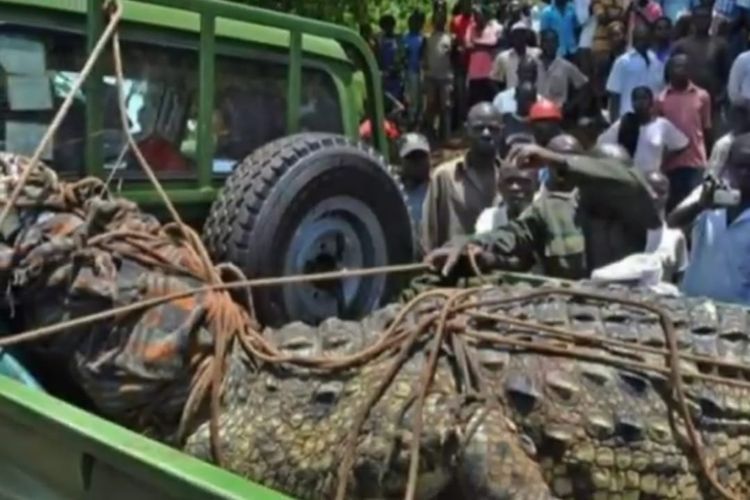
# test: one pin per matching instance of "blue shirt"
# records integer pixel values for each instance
(413, 45)
(387, 52)
(563, 22)
(415, 199)
(719, 266)
(674, 8)
(727, 8)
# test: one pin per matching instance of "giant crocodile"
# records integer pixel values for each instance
(564, 427)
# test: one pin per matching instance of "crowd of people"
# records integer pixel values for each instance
(607, 139)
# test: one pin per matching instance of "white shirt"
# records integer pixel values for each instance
(654, 140)
(536, 14)
(492, 218)
(719, 154)
(505, 101)
(738, 87)
(665, 255)
(719, 266)
(670, 245)
(505, 66)
(587, 22)
(438, 56)
(716, 164)
(630, 71)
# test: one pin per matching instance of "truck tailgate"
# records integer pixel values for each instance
(52, 450)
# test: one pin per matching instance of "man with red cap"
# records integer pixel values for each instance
(546, 121)
(545, 118)
(604, 219)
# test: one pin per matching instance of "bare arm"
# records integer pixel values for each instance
(605, 182)
(684, 214)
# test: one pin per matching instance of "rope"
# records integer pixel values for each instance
(674, 371)
(46, 331)
(188, 233)
(428, 373)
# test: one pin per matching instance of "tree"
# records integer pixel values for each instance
(350, 12)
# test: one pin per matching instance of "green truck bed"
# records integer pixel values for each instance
(52, 450)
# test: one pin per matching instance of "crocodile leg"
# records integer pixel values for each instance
(497, 462)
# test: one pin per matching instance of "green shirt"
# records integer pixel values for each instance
(570, 234)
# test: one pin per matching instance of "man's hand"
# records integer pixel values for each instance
(445, 259)
(533, 156)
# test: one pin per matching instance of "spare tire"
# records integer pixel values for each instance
(312, 203)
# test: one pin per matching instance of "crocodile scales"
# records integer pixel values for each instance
(565, 428)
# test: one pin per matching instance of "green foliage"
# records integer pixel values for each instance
(350, 12)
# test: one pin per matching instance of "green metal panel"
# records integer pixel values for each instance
(66, 5)
(52, 450)
(94, 149)
(206, 105)
(294, 92)
(178, 18)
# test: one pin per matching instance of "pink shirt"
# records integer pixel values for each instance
(482, 49)
(690, 111)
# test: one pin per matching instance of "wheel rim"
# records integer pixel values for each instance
(338, 233)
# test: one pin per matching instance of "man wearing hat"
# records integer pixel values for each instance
(505, 67)
(546, 121)
(719, 265)
(414, 152)
(545, 118)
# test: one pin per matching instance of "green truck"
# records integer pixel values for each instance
(250, 119)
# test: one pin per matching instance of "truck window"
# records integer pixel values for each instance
(321, 108)
(161, 92)
(250, 108)
(36, 70)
